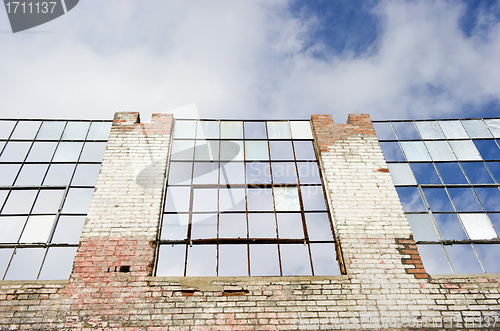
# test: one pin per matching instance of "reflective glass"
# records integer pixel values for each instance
(415, 151)
(232, 173)
(68, 230)
(48, 202)
(31, 175)
(477, 173)
(450, 227)
(174, 226)
(178, 199)
(171, 259)
(278, 130)
(204, 226)
(281, 150)
(201, 260)
(495, 219)
(259, 199)
(451, 173)
(384, 131)
(3, 196)
(392, 151)
(256, 150)
(494, 168)
(86, 174)
(232, 199)
(231, 130)
(494, 126)
(489, 255)
(429, 130)
(204, 200)
(323, 258)
(290, 226)
(489, 197)
(6, 129)
(99, 131)
(93, 152)
(50, 130)
(410, 199)
(318, 226)
(308, 173)
(464, 199)
(284, 172)
(261, 225)
(180, 173)
(19, 202)
(11, 228)
(295, 260)
(25, 264)
(58, 263)
(68, 152)
(405, 130)
(401, 174)
(25, 130)
(233, 260)
(184, 129)
(41, 151)
(422, 227)
(465, 150)
(15, 151)
(287, 198)
(258, 173)
(182, 150)
(8, 173)
(304, 150)
(264, 260)
(59, 174)
(313, 198)
(440, 151)
(76, 131)
(207, 150)
(78, 200)
(231, 150)
(232, 226)
(476, 129)
(463, 259)
(453, 129)
(434, 259)
(488, 149)
(301, 130)
(437, 199)
(5, 255)
(478, 226)
(255, 130)
(206, 173)
(207, 130)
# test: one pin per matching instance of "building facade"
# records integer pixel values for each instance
(248, 225)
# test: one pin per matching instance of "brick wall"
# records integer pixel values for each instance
(111, 287)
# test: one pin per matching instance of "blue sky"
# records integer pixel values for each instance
(256, 59)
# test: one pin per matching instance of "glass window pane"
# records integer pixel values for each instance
(262, 225)
(440, 151)
(25, 264)
(204, 226)
(204, 200)
(324, 259)
(463, 259)
(450, 227)
(75, 131)
(178, 199)
(478, 226)
(201, 260)
(5, 255)
(31, 175)
(86, 174)
(264, 260)
(304, 150)
(232, 226)
(384, 131)
(48, 202)
(231, 150)
(232, 199)
(256, 150)
(451, 173)
(259, 199)
(19, 202)
(180, 173)
(410, 199)
(278, 130)
(476, 129)
(494, 168)
(41, 151)
(232, 173)
(464, 199)
(281, 150)
(184, 129)
(392, 151)
(405, 130)
(8, 173)
(313, 198)
(308, 173)
(477, 173)
(489, 255)
(93, 152)
(255, 130)
(489, 197)
(3, 196)
(206, 150)
(465, 150)
(233, 260)
(284, 172)
(231, 130)
(15, 151)
(290, 226)
(425, 173)
(301, 130)
(11, 229)
(401, 174)
(488, 149)
(295, 260)
(434, 259)
(318, 226)
(182, 150)
(422, 227)
(287, 199)
(51, 130)
(258, 173)
(78, 200)
(174, 226)
(59, 174)
(429, 130)
(207, 130)
(437, 199)
(58, 263)
(68, 152)
(171, 259)
(415, 151)
(6, 129)
(68, 230)
(25, 130)
(494, 126)
(206, 173)
(99, 131)
(453, 129)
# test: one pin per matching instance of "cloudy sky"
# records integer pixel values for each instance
(256, 59)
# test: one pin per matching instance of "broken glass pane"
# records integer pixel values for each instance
(31, 175)
(232, 199)
(201, 260)
(48, 202)
(232, 173)
(304, 150)
(99, 131)
(429, 130)
(476, 129)
(489, 255)
(50, 130)
(256, 150)
(477, 173)
(290, 226)
(207, 150)
(384, 131)
(410, 199)
(440, 151)
(281, 150)
(392, 151)
(494, 126)
(264, 260)
(231, 130)
(278, 130)
(204, 226)
(287, 198)
(68, 230)
(180, 173)
(261, 225)
(59, 174)
(318, 226)
(258, 173)
(174, 226)
(184, 129)
(323, 258)
(68, 152)
(489, 197)
(8, 173)
(231, 150)
(5, 255)
(178, 199)
(255, 130)
(86, 174)
(233, 260)
(451, 173)
(465, 150)
(464, 199)
(313, 198)
(405, 130)
(434, 259)
(301, 130)
(453, 129)
(58, 263)
(171, 259)
(425, 173)
(488, 149)
(205, 200)
(415, 151)
(25, 264)
(422, 227)
(401, 174)
(37, 229)
(463, 259)
(93, 152)
(15, 151)
(11, 228)
(437, 199)
(5, 130)
(450, 227)
(75, 131)
(182, 150)
(207, 130)
(295, 260)
(232, 226)
(19, 202)
(78, 200)
(41, 151)
(206, 173)
(25, 130)
(259, 199)
(284, 172)
(308, 173)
